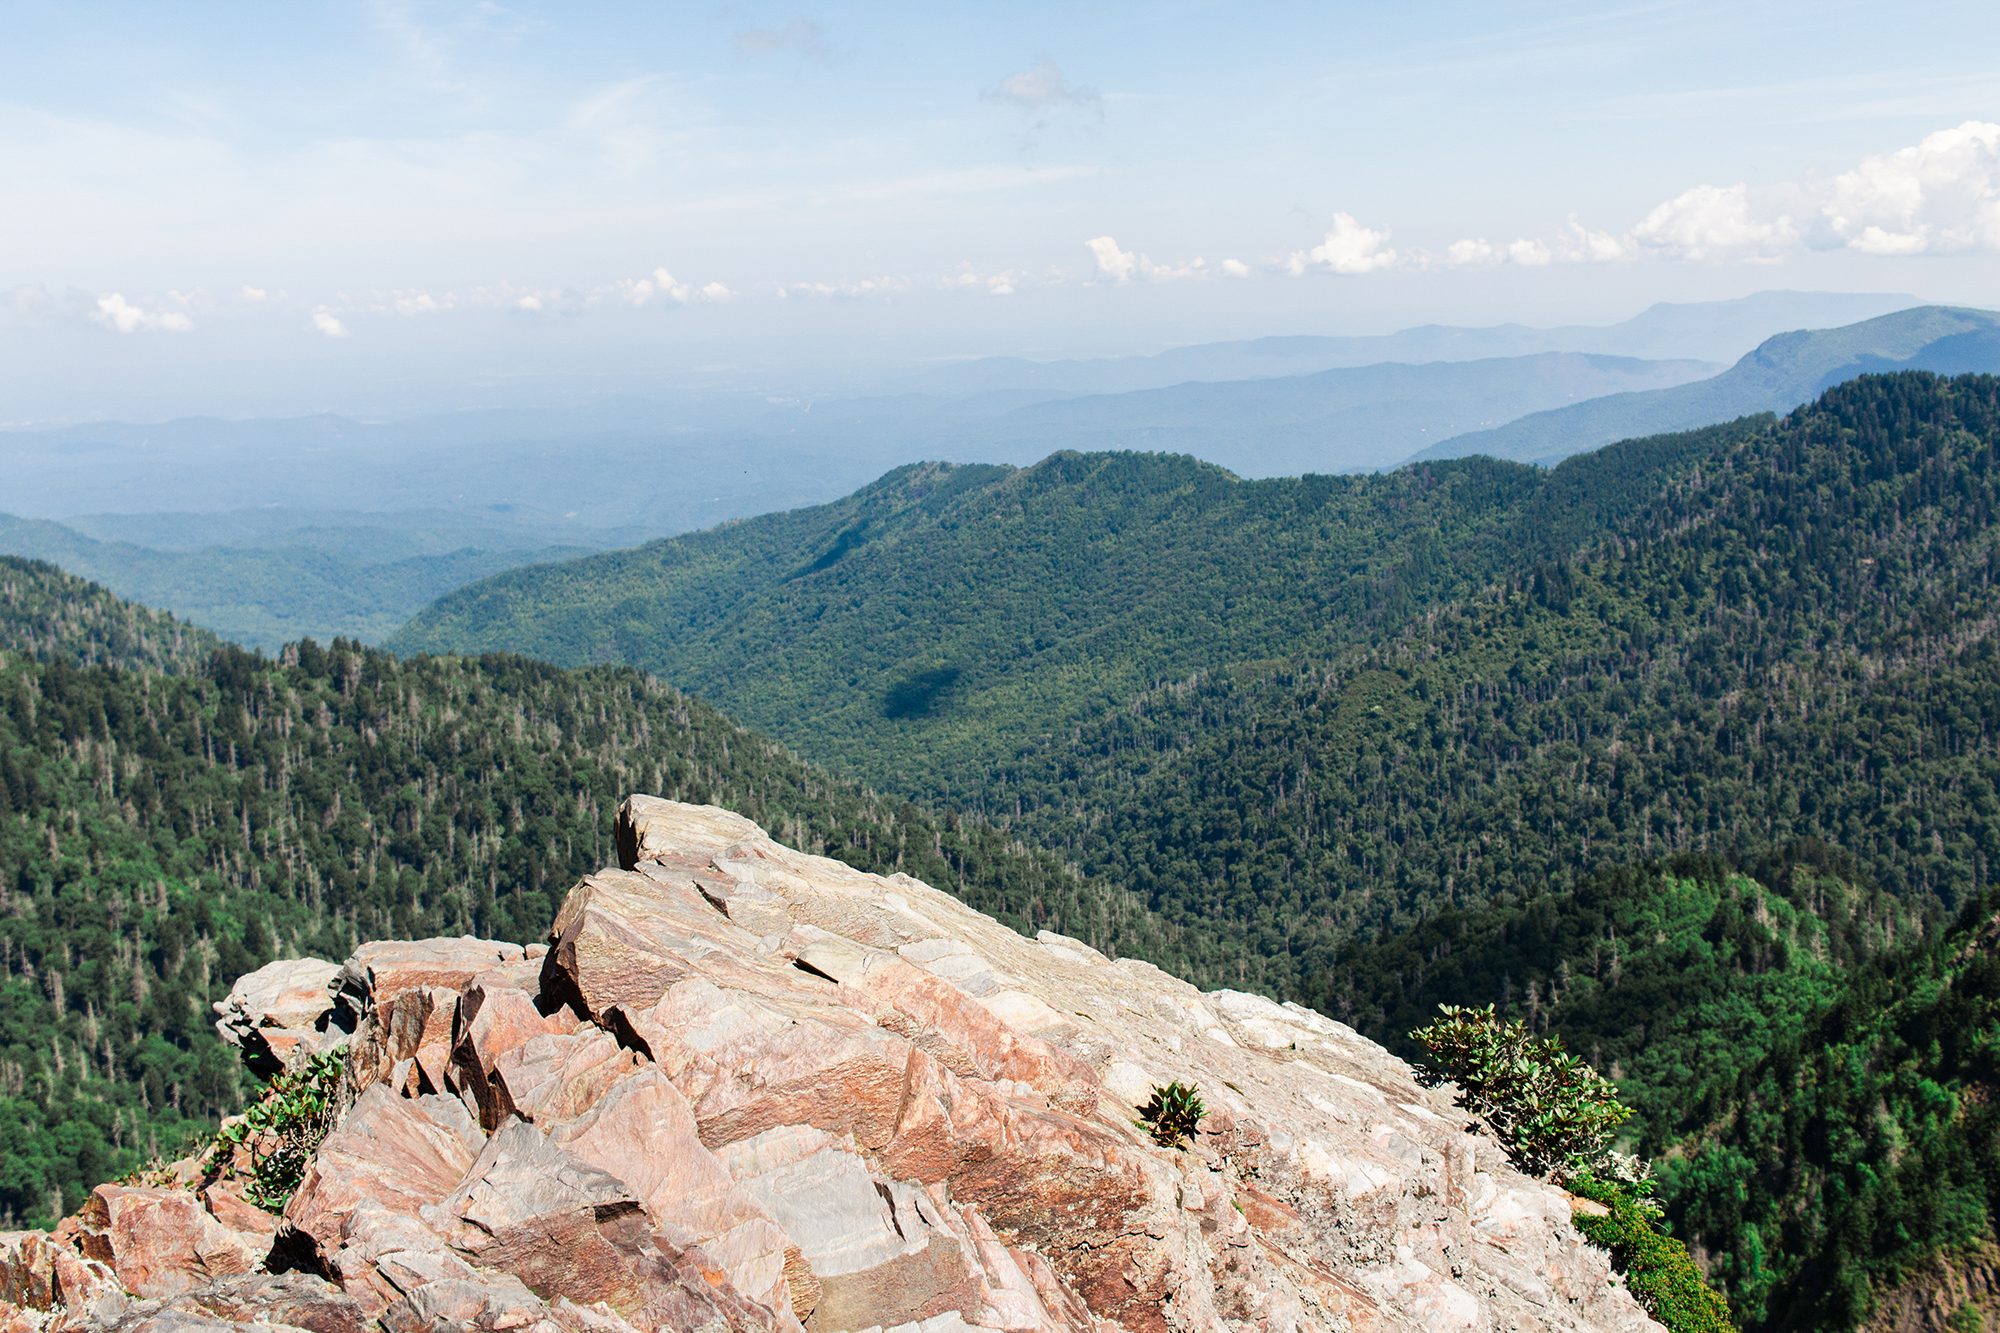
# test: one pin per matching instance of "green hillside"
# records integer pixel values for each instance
(49, 616)
(920, 632)
(1791, 642)
(1780, 374)
(267, 597)
(160, 835)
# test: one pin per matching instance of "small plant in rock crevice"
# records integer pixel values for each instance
(1172, 1114)
(285, 1126)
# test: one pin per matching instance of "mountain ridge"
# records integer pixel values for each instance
(1778, 375)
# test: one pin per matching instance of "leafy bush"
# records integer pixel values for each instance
(285, 1126)
(1551, 1111)
(1555, 1115)
(1172, 1113)
(1657, 1268)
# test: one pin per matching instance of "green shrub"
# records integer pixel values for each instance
(285, 1126)
(1172, 1114)
(1555, 1115)
(1551, 1111)
(1657, 1268)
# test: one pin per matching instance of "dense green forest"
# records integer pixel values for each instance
(162, 834)
(47, 615)
(917, 633)
(1788, 642)
(1835, 1168)
(1664, 975)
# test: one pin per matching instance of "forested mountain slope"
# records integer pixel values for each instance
(47, 615)
(1781, 373)
(160, 835)
(267, 597)
(1793, 641)
(917, 633)
(1853, 1171)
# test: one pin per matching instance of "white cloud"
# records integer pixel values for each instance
(661, 286)
(1349, 248)
(1471, 251)
(417, 303)
(114, 311)
(1712, 223)
(325, 321)
(1575, 244)
(850, 289)
(1236, 268)
(1111, 260)
(254, 293)
(1579, 244)
(1042, 87)
(1941, 195)
(528, 303)
(1529, 254)
(1123, 265)
(715, 291)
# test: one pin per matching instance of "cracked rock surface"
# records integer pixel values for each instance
(746, 1088)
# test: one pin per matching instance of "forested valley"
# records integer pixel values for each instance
(1686, 751)
(163, 833)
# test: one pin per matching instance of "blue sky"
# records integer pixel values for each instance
(484, 194)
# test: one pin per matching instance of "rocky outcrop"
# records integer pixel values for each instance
(278, 1015)
(744, 1088)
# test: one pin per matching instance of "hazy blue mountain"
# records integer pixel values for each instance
(1783, 372)
(266, 597)
(375, 536)
(652, 466)
(1703, 331)
(1363, 418)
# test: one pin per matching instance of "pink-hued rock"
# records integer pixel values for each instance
(275, 1014)
(568, 1229)
(27, 1269)
(254, 1303)
(495, 1019)
(748, 1090)
(642, 1132)
(400, 1153)
(226, 1204)
(552, 1078)
(378, 973)
(161, 1242)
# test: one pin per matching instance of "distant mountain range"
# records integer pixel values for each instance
(1350, 420)
(1701, 331)
(371, 522)
(266, 597)
(919, 631)
(1781, 373)
(675, 466)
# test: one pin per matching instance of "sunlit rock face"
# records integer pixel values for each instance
(745, 1088)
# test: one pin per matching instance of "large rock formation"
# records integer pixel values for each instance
(743, 1088)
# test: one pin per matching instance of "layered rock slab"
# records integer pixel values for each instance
(747, 1088)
